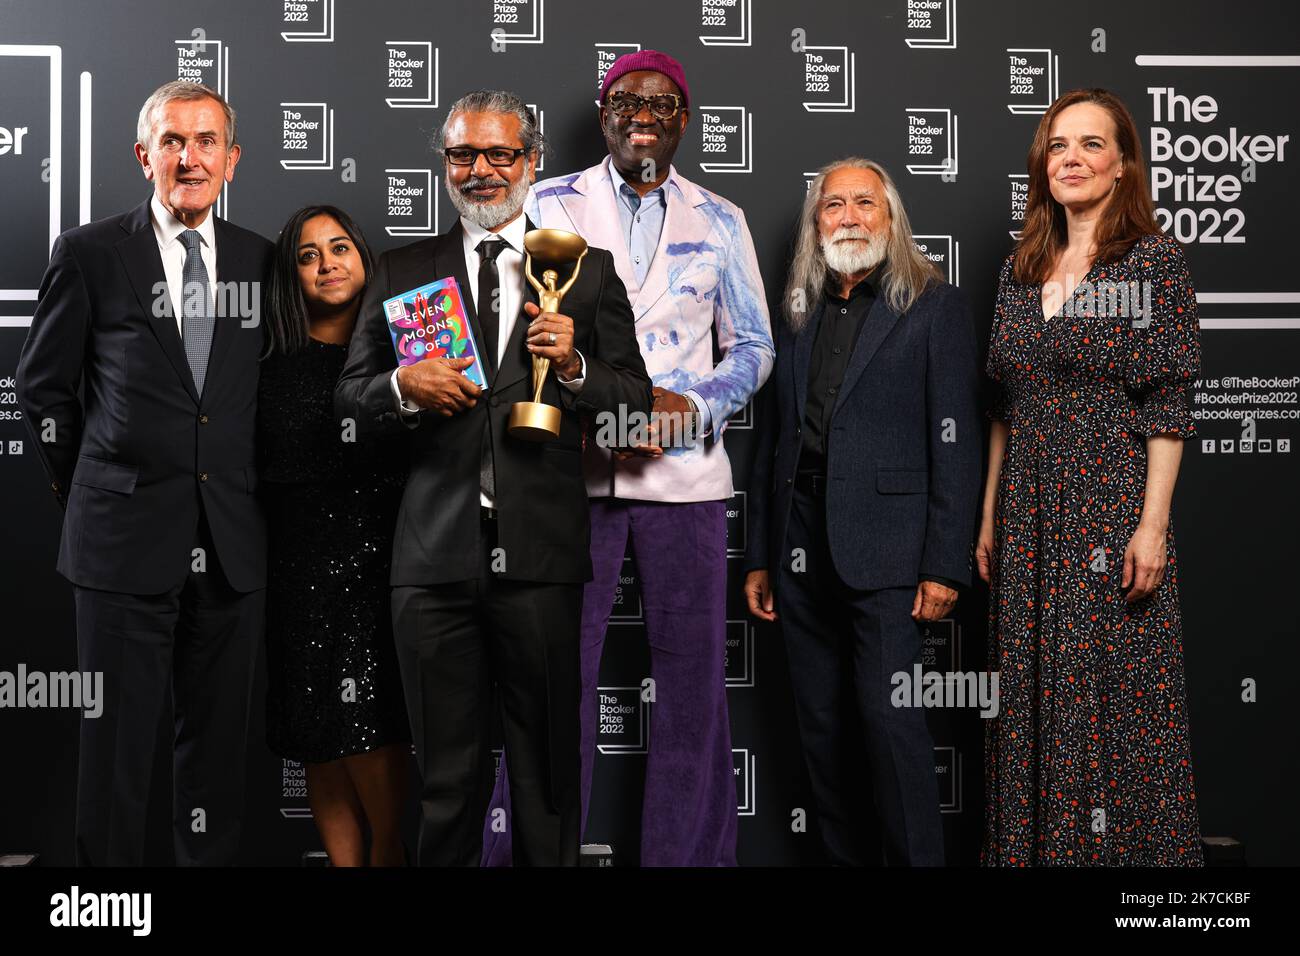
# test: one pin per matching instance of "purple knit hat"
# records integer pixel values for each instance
(651, 60)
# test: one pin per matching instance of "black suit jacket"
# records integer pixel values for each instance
(903, 451)
(541, 499)
(131, 451)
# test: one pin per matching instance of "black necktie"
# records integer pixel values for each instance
(489, 318)
(489, 297)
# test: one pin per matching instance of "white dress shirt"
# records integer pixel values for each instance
(167, 230)
(510, 270)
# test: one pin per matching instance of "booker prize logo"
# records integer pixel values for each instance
(31, 165)
(941, 646)
(743, 419)
(931, 24)
(947, 768)
(627, 594)
(745, 768)
(1018, 184)
(1199, 170)
(606, 54)
(293, 790)
(828, 77)
(200, 60)
(412, 202)
(728, 22)
(540, 114)
(736, 516)
(517, 21)
(622, 720)
(738, 660)
(412, 71)
(727, 139)
(943, 251)
(1204, 167)
(308, 21)
(308, 136)
(932, 141)
(1033, 80)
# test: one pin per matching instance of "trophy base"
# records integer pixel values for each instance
(534, 421)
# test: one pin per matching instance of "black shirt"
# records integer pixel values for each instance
(841, 324)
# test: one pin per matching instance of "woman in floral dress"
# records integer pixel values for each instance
(1093, 349)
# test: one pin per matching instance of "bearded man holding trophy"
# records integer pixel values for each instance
(491, 548)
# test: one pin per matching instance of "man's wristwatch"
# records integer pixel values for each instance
(695, 420)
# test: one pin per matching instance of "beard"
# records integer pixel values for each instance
(488, 215)
(851, 258)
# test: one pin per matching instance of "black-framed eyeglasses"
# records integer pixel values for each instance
(496, 155)
(662, 106)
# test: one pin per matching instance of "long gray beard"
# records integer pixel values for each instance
(851, 258)
(489, 215)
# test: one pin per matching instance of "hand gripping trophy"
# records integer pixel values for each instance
(535, 420)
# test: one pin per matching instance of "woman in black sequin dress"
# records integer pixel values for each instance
(1094, 347)
(335, 698)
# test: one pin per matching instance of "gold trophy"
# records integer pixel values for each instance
(535, 420)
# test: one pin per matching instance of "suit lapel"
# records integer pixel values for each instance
(685, 230)
(449, 260)
(880, 322)
(803, 343)
(144, 268)
(231, 267)
(594, 216)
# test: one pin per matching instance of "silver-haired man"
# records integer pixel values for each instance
(863, 504)
(153, 463)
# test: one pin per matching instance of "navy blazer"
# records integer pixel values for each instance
(903, 451)
(131, 450)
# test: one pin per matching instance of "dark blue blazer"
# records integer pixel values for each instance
(130, 448)
(903, 451)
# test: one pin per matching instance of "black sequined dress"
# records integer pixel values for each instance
(331, 506)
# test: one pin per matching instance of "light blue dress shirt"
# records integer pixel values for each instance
(642, 221)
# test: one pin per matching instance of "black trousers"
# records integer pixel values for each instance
(871, 764)
(454, 641)
(199, 642)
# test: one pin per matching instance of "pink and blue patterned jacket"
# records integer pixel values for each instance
(703, 278)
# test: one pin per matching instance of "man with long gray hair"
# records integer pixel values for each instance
(863, 503)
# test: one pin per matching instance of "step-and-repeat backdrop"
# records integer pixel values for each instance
(337, 100)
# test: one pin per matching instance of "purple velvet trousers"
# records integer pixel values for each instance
(688, 813)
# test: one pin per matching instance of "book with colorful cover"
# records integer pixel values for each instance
(430, 322)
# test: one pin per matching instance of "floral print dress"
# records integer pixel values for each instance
(1088, 760)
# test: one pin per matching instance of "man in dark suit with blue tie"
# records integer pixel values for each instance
(863, 503)
(138, 381)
